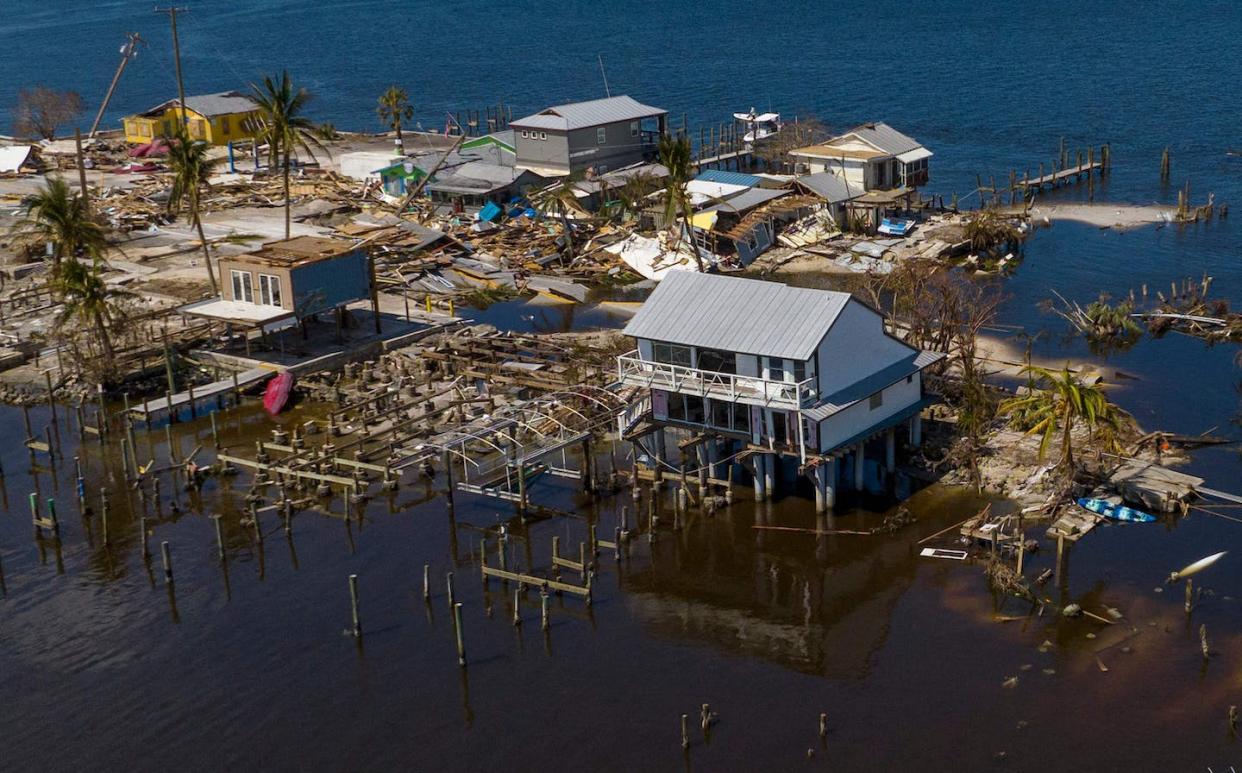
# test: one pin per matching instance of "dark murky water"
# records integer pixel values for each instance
(251, 668)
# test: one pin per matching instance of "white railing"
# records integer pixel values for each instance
(634, 371)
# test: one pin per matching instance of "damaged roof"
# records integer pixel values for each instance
(882, 136)
(584, 115)
(210, 105)
(737, 315)
(828, 186)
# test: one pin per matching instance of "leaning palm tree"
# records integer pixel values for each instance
(86, 298)
(191, 168)
(563, 198)
(283, 126)
(674, 154)
(1059, 401)
(59, 216)
(393, 109)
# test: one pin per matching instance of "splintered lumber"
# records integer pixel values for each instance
(283, 470)
(537, 582)
(1158, 488)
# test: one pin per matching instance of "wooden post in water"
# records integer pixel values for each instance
(461, 636)
(1164, 165)
(219, 537)
(353, 602)
(427, 583)
(103, 513)
(168, 569)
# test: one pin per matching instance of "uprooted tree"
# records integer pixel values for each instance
(942, 310)
(41, 110)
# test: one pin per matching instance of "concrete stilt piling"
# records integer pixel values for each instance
(353, 603)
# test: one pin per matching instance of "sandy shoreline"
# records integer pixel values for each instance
(1104, 215)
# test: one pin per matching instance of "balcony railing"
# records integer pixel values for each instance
(752, 390)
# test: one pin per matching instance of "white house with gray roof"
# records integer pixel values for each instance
(602, 134)
(873, 156)
(774, 371)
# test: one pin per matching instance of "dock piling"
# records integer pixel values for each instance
(168, 567)
(353, 601)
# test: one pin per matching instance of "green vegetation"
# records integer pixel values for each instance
(59, 216)
(191, 168)
(284, 127)
(1058, 402)
(674, 154)
(394, 109)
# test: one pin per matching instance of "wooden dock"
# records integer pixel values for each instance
(1060, 177)
(193, 396)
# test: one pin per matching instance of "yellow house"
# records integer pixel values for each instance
(215, 118)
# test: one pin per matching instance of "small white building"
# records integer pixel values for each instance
(873, 156)
(770, 371)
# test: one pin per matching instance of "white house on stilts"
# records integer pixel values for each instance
(760, 372)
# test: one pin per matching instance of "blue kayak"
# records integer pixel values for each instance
(1116, 512)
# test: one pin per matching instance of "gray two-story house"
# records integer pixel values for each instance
(773, 371)
(602, 134)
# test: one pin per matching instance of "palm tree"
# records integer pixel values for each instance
(674, 154)
(85, 297)
(1060, 401)
(191, 168)
(59, 216)
(563, 196)
(394, 107)
(634, 191)
(283, 126)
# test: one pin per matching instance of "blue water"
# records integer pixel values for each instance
(989, 88)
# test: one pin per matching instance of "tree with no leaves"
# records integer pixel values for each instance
(41, 110)
(283, 126)
(191, 168)
(393, 109)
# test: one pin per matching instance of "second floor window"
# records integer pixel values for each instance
(601, 135)
(671, 354)
(799, 371)
(269, 290)
(776, 369)
(717, 361)
(242, 289)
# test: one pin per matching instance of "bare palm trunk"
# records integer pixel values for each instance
(288, 215)
(198, 223)
(685, 215)
(105, 341)
(400, 139)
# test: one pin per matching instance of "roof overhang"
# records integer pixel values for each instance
(250, 315)
(910, 156)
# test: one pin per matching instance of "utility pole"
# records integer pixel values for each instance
(172, 12)
(128, 51)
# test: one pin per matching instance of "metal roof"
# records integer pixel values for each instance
(728, 177)
(737, 315)
(583, 115)
(828, 186)
(210, 105)
(863, 388)
(747, 199)
(882, 136)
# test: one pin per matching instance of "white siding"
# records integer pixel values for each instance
(854, 348)
(860, 417)
(644, 349)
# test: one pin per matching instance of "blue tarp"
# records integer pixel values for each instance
(490, 211)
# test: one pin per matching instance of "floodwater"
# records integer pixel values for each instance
(250, 665)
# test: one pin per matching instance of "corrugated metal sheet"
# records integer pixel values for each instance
(729, 178)
(864, 388)
(747, 200)
(884, 137)
(829, 187)
(737, 315)
(210, 105)
(583, 115)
